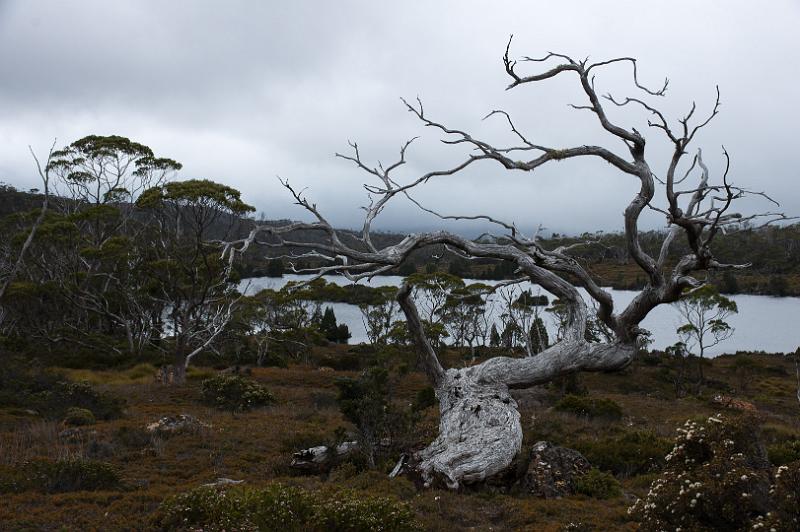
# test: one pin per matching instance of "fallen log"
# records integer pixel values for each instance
(322, 457)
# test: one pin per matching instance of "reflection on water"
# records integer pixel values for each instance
(764, 323)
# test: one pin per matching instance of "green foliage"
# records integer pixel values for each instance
(785, 491)
(285, 508)
(349, 361)
(539, 338)
(591, 407)
(196, 193)
(74, 474)
(333, 332)
(82, 395)
(234, 392)
(425, 398)
(275, 268)
(494, 336)
(717, 478)
(78, 416)
(364, 401)
(784, 453)
(598, 484)
(633, 453)
(29, 386)
(705, 311)
(354, 294)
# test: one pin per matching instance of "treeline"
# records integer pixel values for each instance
(127, 262)
(773, 253)
(124, 260)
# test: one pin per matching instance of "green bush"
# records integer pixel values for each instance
(74, 474)
(353, 511)
(784, 452)
(64, 395)
(717, 477)
(349, 361)
(598, 484)
(76, 417)
(235, 393)
(426, 398)
(284, 508)
(785, 491)
(633, 453)
(131, 437)
(592, 407)
(29, 386)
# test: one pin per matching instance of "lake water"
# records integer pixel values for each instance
(764, 323)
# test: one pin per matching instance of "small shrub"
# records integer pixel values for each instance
(29, 386)
(426, 398)
(280, 507)
(76, 417)
(633, 453)
(591, 407)
(349, 361)
(235, 393)
(64, 395)
(132, 437)
(74, 474)
(784, 452)
(353, 511)
(785, 491)
(599, 485)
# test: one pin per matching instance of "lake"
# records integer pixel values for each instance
(764, 323)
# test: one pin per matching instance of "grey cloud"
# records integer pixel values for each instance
(243, 91)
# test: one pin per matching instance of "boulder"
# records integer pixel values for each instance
(169, 425)
(76, 435)
(553, 471)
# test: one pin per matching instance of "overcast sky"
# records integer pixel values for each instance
(241, 92)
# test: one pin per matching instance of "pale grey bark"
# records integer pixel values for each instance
(479, 430)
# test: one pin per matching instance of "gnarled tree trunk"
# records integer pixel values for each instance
(479, 430)
(479, 425)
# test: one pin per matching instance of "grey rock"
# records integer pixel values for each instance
(553, 471)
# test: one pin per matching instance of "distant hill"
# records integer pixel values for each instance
(773, 251)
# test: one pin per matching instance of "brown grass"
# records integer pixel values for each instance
(256, 447)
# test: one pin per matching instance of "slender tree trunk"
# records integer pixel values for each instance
(179, 369)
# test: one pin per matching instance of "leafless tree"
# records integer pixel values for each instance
(479, 430)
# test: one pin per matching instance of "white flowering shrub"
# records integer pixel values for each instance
(282, 508)
(717, 477)
(785, 493)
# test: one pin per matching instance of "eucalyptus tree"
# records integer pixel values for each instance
(433, 291)
(479, 429)
(98, 266)
(192, 285)
(102, 176)
(12, 258)
(464, 315)
(379, 315)
(521, 318)
(704, 312)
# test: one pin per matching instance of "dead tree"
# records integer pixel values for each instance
(479, 430)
